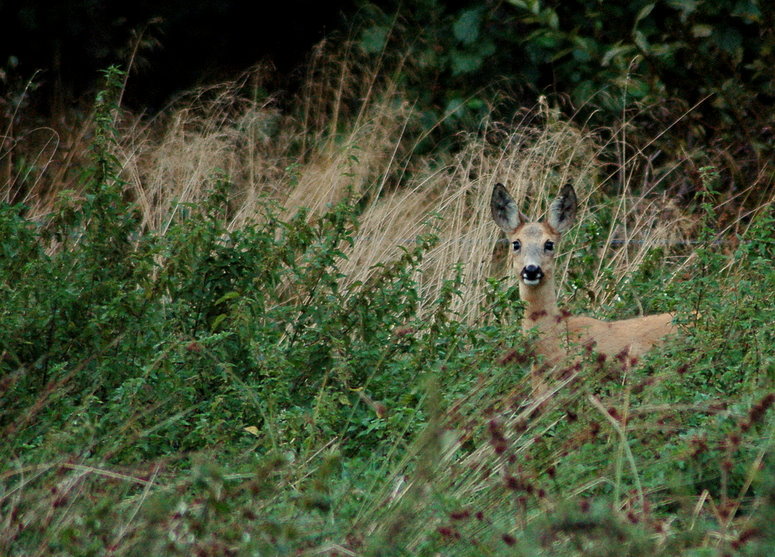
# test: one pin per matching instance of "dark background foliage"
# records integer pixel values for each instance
(698, 70)
(696, 75)
(183, 43)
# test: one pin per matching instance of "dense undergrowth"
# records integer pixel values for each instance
(206, 388)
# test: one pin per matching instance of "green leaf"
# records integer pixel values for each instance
(519, 4)
(476, 104)
(686, 7)
(641, 40)
(614, 52)
(466, 27)
(701, 30)
(747, 10)
(643, 12)
(226, 297)
(217, 321)
(551, 19)
(728, 39)
(581, 55)
(455, 107)
(486, 48)
(464, 62)
(373, 39)
(637, 88)
(545, 39)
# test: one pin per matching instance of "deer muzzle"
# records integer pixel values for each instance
(532, 275)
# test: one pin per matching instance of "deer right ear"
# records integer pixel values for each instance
(504, 209)
(562, 211)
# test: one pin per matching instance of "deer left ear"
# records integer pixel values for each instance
(562, 211)
(504, 209)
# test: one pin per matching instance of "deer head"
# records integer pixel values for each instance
(533, 243)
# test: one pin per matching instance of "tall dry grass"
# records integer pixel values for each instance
(350, 132)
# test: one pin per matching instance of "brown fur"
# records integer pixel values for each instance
(561, 336)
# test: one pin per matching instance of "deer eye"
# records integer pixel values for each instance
(549, 245)
(517, 245)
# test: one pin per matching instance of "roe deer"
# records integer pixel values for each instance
(534, 245)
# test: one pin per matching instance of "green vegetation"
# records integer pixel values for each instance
(241, 333)
(691, 78)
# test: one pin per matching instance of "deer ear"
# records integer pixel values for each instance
(504, 209)
(562, 211)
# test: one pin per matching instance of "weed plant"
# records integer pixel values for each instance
(195, 360)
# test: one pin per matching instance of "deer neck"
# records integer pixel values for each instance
(543, 316)
(540, 305)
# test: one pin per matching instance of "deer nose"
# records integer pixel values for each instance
(532, 274)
